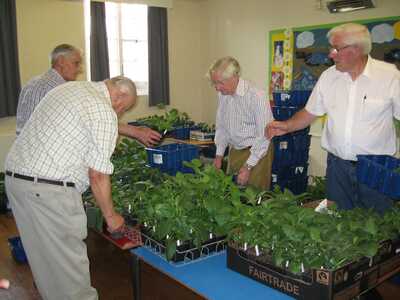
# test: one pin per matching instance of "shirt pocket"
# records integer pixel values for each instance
(372, 108)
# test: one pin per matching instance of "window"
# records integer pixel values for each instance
(127, 42)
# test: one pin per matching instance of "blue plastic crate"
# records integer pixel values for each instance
(17, 249)
(282, 113)
(297, 185)
(291, 150)
(182, 133)
(377, 172)
(289, 172)
(297, 98)
(169, 158)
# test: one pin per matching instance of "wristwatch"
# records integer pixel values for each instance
(248, 167)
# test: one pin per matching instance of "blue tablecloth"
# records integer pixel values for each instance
(211, 278)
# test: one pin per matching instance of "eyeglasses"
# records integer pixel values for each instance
(336, 50)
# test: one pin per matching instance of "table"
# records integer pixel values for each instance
(207, 278)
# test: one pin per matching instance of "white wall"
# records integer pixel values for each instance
(200, 31)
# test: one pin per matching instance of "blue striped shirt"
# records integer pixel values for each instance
(241, 119)
(33, 92)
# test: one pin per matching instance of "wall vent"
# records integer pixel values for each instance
(339, 6)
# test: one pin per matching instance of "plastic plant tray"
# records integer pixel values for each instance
(186, 252)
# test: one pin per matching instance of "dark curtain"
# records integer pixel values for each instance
(10, 83)
(99, 66)
(158, 56)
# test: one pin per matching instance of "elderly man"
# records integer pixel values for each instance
(242, 114)
(66, 61)
(360, 96)
(65, 146)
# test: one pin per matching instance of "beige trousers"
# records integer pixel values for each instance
(52, 225)
(260, 175)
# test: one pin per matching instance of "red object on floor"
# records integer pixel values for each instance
(128, 238)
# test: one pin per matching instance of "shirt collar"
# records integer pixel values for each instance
(241, 87)
(368, 68)
(56, 74)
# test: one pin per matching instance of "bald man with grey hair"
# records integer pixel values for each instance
(66, 146)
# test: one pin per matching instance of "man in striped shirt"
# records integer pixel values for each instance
(65, 146)
(242, 114)
(66, 61)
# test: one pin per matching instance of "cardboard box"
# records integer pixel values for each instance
(344, 283)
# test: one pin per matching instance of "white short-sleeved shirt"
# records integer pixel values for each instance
(73, 128)
(360, 112)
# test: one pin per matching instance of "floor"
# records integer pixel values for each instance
(109, 268)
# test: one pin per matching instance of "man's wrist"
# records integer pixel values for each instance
(248, 167)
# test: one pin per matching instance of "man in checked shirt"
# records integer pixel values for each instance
(66, 65)
(242, 114)
(65, 146)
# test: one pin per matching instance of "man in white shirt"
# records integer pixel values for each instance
(360, 96)
(243, 111)
(65, 146)
(66, 65)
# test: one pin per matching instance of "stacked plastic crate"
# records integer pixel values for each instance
(291, 151)
(170, 158)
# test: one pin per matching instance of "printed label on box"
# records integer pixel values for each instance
(283, 145)
(157, 158)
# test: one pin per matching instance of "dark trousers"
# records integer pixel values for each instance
(344, 189)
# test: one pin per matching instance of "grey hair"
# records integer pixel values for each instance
(62, 50)
(353, 34)
(228, 65)
(125, 85)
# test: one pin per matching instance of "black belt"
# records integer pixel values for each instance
(40, 180)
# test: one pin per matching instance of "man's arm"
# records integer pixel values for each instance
(144, 135)
(101, 188)
(299, 121)
(220, 138)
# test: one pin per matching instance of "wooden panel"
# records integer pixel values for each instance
(156, 285)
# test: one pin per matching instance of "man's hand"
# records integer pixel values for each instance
(276, 128)
(218, 162)
(115, 222)
(147, 136)
(243, 176)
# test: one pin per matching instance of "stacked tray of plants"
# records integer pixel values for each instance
(177, 124)
(189, 215)
(311, 255)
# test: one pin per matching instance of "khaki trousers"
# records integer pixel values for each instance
(52, 225)
(260, 175)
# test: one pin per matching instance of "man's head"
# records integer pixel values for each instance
(224, 75)
(351, 44)
(66, 60)
(122, 92)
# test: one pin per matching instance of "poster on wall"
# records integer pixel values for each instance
(299, 55)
